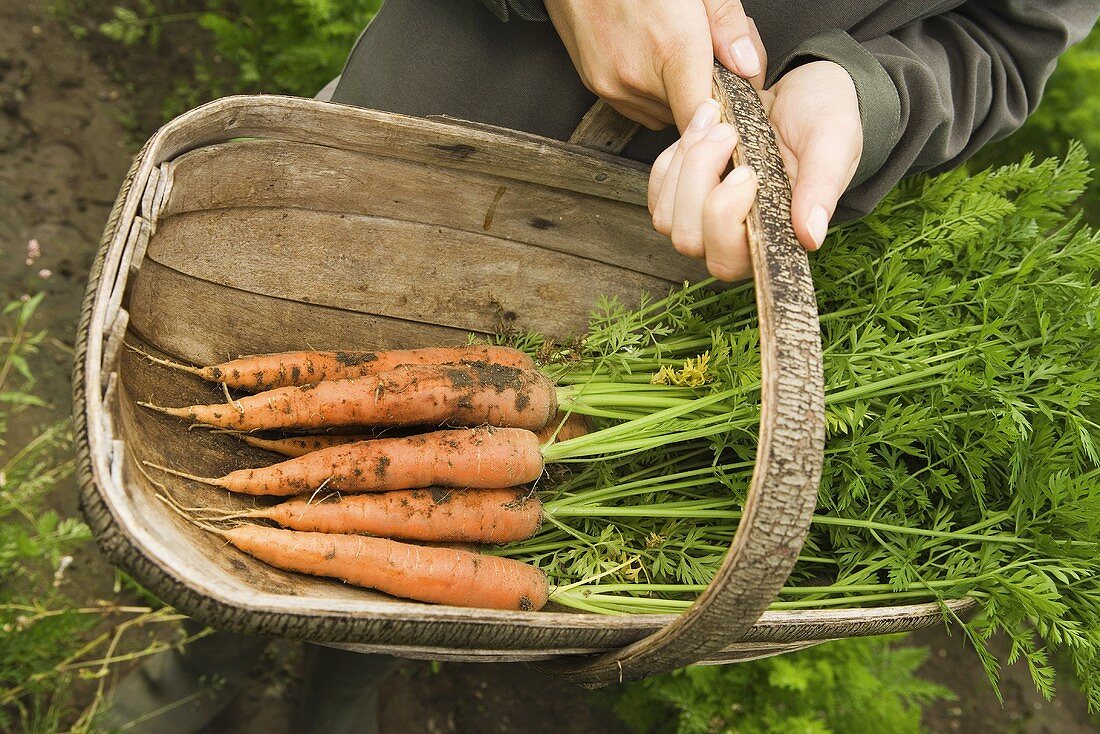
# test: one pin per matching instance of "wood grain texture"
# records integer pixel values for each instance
(785, 479)
(288, 174)
(604, 129)
(203, 322)
(438, 142)
(406, 270)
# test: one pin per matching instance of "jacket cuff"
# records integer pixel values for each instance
(879, 103)
(522, 9)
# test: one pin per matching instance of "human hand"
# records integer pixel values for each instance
(651, 60)
(815, 114)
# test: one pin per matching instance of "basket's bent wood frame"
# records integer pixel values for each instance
(729, 622)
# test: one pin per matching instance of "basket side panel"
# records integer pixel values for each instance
(288, 174)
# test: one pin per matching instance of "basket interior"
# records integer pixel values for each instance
(267, 245)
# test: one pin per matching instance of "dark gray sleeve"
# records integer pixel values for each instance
(938, 89)
(523, 9)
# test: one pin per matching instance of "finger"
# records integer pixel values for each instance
(825, 167)
(736, 41)
(658, 172)
(700, 173)
(705, 118)
(648, 113)
(687, 79)
(725, 237)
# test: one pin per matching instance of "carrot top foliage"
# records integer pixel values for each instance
(962, 372)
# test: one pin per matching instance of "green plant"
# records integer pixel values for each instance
(962, 376)
(273, 46)
(58, 655)
(1070, 110)
(857, 686)
(286, 46)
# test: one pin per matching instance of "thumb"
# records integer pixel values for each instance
(736, 41)
(824, 171)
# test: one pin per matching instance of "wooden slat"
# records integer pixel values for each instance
(203, 322)
(279, 173)
(393, 268)
(469, 148)
(603, 128)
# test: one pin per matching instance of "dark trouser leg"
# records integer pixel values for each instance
(178, 692)
(340, 691)
(453, 57)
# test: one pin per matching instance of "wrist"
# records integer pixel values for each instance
(877, 97)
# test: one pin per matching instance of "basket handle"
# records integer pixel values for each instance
(784, 485)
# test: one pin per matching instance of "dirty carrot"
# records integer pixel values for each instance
(486, 458)
(288, 369)
(424, 573)
(295, 446)
(437, 514)
(469, 394)
(560, 428)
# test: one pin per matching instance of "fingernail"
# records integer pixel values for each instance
(818, 225)
(720, 132)
(705, 116)
(739, 175)
(745, 56)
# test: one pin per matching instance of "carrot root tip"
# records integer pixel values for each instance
(197, 371)
(175, 412)
(176, 473)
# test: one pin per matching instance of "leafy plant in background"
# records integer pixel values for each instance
(1070, 109)
(48, 642)
(273, 46)
(858, 686)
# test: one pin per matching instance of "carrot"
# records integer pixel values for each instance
(471, 394)
(563, 428)
(558, 429)
(301, 445)
(437, 514)
(287, 369)
(430, 574)
(485, 458)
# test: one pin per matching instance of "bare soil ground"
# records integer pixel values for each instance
(72, 113)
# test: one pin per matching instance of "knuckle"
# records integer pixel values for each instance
(728, 14)
(721, 271)
(631, 78)
(687, 243)
(661, 223)
(607, 86)
(720, 207)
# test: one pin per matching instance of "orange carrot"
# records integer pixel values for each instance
(287, 369)
(471, 394)
(431, 574)
(574, 425)
(437, 514)
(486, 458)
(563, 429)
(301, 445)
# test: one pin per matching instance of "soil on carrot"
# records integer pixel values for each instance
(73, 112)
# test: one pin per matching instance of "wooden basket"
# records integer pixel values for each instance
(258, 224)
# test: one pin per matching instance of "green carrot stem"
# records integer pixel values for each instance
(854, 602)
(705, 510)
